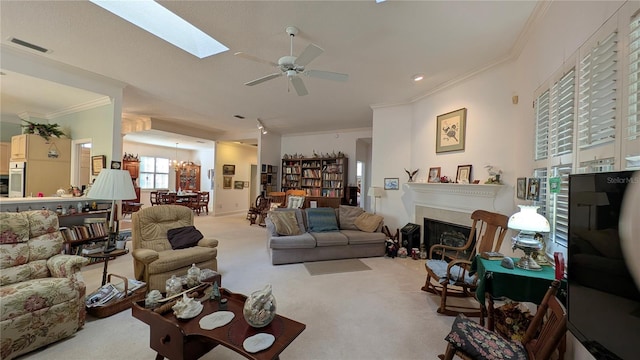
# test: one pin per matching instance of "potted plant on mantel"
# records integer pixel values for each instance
(46, 131)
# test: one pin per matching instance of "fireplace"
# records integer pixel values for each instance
(445, 233)
(452, 204)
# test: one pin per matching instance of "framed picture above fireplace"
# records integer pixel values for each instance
(451, 131)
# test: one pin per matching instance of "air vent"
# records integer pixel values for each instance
(29, 45)
(238, 116)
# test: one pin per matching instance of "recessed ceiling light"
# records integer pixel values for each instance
(417, 77)
(158, 20)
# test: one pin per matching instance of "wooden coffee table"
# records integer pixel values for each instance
(178, 339)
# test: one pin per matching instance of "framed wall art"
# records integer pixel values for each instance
(228, 169)
(226, 182)
(98, 163)
(521, 188)
(434, 175)
(391, 184)
(116, 165)
(451, 131)
(533, 189)
(463, 176)
(238, 185)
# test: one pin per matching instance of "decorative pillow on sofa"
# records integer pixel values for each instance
(368, 222)
(322, 219)
(348, 216)
(285, 222)
(184, 237)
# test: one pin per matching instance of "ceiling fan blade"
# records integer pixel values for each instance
(263, 79)
(311, 52)
(254, 58)
(299, 86)
(327, 75)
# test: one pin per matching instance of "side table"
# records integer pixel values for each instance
(106, 257)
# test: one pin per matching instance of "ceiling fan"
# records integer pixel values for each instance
(292, 66)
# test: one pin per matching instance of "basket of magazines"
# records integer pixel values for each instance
(112, 298)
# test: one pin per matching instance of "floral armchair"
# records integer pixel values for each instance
(41, 290)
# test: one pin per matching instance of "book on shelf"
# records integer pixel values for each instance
(492, 255)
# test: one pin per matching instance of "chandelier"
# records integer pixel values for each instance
(177, 165)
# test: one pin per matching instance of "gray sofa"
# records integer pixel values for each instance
(344, 241)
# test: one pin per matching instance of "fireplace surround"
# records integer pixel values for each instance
(454, 203)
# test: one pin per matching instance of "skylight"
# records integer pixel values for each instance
(158, 20)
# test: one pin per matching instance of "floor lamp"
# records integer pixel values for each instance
(375, 192)
(112, 185)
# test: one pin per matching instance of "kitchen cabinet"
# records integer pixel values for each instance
(48, 162)
(5, 155)
(19, 147)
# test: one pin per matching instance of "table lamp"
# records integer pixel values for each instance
(375, 192)
(112, 185)
(531, 225)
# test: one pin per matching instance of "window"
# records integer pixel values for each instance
(561, 105)
(542, 126)
(154, 173)
(559, 211)
(597, 102)
(633, 111)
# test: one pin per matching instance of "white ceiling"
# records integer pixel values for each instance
(380, 46)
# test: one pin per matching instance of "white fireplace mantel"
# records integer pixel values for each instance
(464, 198)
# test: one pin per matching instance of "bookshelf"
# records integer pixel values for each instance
(268, 179)
(326, 177)
(81, 230)
(291, 172)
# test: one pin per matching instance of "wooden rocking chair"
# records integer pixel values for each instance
(448, 266)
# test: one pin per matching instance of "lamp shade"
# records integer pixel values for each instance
(528, 219)
(375, 191)
(112, 184)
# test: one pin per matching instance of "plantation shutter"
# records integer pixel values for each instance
(560, 209)
(541, 174)
(542, 126)
(597, 104)
(561, 115)
(633, 120)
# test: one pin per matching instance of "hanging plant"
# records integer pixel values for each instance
(44, 130)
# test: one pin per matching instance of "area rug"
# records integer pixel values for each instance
(335, 266)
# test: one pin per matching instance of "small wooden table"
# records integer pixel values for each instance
(185, 340)
(106, 257)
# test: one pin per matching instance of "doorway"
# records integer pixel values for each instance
(81, 162)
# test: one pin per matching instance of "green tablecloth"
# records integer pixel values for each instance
(516, 284)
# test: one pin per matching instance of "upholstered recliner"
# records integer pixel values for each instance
(154, 260)
(41, 290)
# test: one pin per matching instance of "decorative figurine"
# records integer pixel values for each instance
(411, 174)
(215, 292)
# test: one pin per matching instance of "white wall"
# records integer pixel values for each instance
(232, 201)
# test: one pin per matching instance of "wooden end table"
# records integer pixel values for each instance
(106, 257)
(185, 340)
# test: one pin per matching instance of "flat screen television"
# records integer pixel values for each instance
(603, 298)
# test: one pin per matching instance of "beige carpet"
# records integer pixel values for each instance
(335, 266)
(363, 315)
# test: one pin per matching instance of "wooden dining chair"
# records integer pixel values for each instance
(203, 202)
(470, 340)
(153, 198)
(448, 266)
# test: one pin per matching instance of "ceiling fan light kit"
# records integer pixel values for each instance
(293, 66)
